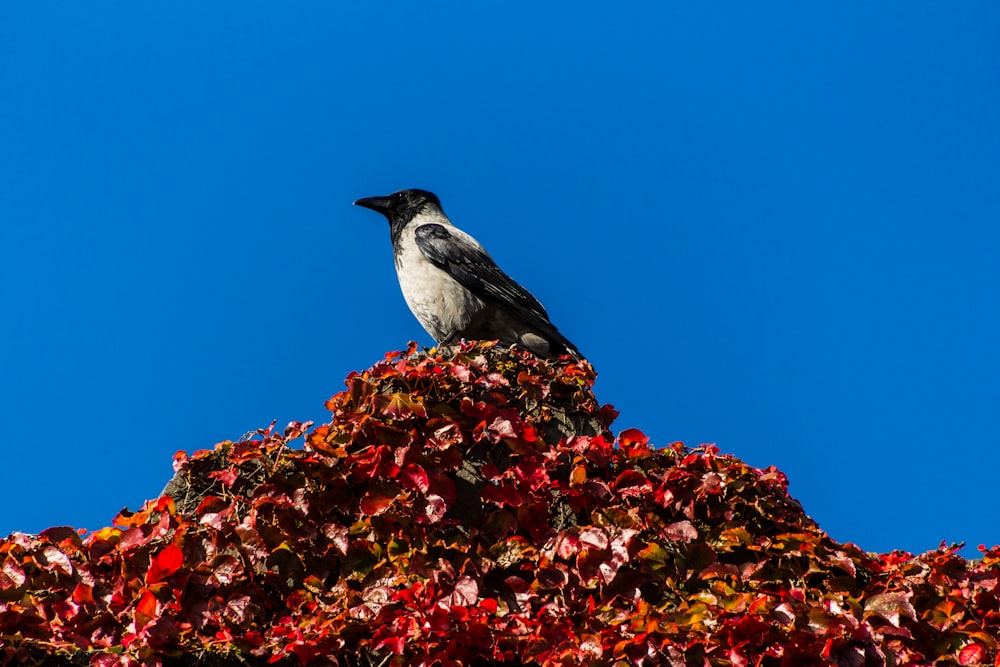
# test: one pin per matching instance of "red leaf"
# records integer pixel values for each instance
(737, 658)
(891, 606)
(227, 477)
(607, 414)
(503, 495)
(844, 561)
(83, 594)
(465, 594)
(495, 379)
(712, 483)
(164, 564)
(165, 504)
(394, 644)
(415, 477)
(632, 483)
(682, 531)
(57, 560)
(441, 485)
(225, 569)
(971, 654)
(59, 534)
(633, 443)
(597, 449)
(11, 572)
(161, 632)
(295, 429)
(567, 546)
(435, 508)
(238, 609)
(501, 427)
(442, 433)
(552, 577)
(132, 537)
(535, 476)
(594, 538)
(784, 613)
(338, 536)
(213, 504)
(304, 652)
(373, 503)
(519, 586)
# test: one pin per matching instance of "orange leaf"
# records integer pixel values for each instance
(145, 609)
(633, 443)
(165, 564)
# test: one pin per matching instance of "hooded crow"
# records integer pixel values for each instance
(453, 286)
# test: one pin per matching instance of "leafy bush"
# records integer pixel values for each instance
(471, 507)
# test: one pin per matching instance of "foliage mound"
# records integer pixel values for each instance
(470, 507)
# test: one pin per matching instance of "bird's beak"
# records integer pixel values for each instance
(380, 204)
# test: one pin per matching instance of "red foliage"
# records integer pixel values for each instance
(357, 544)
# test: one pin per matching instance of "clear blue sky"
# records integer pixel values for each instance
(773, 228)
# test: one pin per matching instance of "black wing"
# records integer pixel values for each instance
(478, 273)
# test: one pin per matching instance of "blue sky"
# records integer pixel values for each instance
(772, 228)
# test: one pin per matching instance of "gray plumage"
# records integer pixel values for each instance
(453, 286)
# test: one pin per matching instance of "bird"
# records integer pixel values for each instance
(452, 285)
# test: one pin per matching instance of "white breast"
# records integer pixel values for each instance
(438, 301)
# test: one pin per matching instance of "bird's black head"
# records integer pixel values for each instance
(401, 207)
